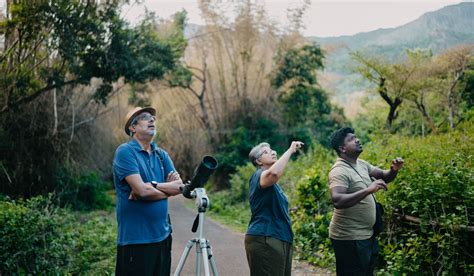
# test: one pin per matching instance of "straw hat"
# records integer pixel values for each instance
(134, 113)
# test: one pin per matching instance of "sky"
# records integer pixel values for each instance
(323, 17)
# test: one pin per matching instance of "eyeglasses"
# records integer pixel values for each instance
(264, 152)
(143, 116)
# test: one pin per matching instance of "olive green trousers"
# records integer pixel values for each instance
(268, 256)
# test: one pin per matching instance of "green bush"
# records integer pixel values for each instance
(436, 187)
(231, 206)
(82, 192)
(37, 237)
(94, 244)
(250, 127)
(32, 239)
(311, 204)
(239, 184)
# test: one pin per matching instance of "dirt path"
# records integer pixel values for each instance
(227, 245)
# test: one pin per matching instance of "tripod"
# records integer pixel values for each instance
(203, 247)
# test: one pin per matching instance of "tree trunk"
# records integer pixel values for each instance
(422, 108)
(392, 114)
(451, 110)
(55, 112)
(451, 101)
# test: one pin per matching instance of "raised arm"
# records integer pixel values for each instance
(390, 174)
(271, 176)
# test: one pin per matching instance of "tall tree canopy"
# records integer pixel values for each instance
(51, 47)
(306, 108)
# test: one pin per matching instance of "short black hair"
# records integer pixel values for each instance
(337, 138)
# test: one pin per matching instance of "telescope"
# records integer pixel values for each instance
(200, 176)
(203, 247)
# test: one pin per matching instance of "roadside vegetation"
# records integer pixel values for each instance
(70, 71)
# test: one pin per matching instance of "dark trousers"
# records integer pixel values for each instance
(268, 256)
(355, 257)
(144, 259)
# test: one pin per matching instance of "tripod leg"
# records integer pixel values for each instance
(205, 255)
(212, 260)
(183, 258)
(198, 257)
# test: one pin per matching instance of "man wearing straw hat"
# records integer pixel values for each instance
(144, 178)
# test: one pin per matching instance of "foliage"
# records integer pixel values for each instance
(78, 41)
(222, 91)
(466, 87)
(313, 209)
(436, 186)
(299, 65)
(308, 115)
(84, 192)
(435, 189)
(231, 206)
(239, 183)
(52, 47)
(235, 215)
(307, 111)
(251, 127)
(38, 237)
(392, 80)
(95, 243)
(32, 239)
(421, 89)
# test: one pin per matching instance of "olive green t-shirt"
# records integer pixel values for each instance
(356, 222)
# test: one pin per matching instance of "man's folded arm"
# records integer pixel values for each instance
(142, 190)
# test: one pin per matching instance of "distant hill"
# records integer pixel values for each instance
(437, 30)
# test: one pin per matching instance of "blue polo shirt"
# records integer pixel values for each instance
(140, 222)
(269, 206)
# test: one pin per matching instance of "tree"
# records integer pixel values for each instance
(392, 80)
(52, 47)
(453, 65)
(306, 107)
(53, 44)
(223, 80)
(437, 87)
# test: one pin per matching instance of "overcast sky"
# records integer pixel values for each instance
(323, 18)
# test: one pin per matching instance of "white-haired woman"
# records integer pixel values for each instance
(269, 238)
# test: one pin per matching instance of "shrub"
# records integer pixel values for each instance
(94, 244)
(428, 207)
(232, 206)
(239, 184)
(83, 192)
(32, 239)
(312, 207)
(37, 237)
(435, 190)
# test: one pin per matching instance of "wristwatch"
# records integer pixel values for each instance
(154, 183)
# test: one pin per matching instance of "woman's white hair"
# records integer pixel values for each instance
(256, 152)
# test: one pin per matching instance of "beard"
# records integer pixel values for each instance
(151, 132)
